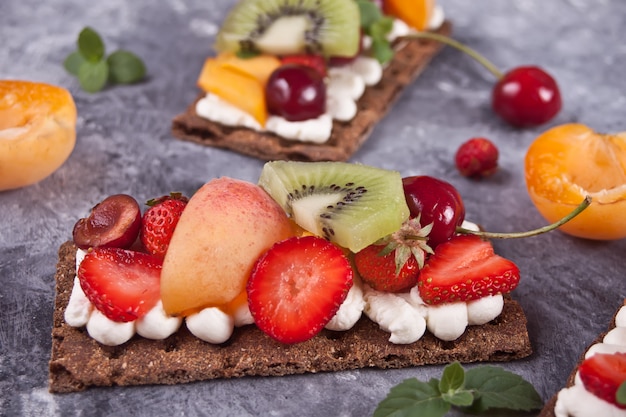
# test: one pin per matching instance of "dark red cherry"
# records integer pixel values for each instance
(435, 201)
(526, 97)
(114, 222)
(296, 92)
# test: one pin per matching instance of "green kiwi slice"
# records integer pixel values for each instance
(282, 27)
(352, 205)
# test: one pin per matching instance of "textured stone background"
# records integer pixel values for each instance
(570, 287)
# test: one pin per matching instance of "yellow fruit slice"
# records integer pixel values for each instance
(37, 131)
(415, 13)
(571, 161)
(234, 86)
(259, 67)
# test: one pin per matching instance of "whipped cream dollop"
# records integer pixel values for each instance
(344, 87)
(576, 401)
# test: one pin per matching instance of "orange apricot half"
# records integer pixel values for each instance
(415, 13)
(37, 131)
(571, 161)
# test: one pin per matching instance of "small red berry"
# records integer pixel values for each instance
(477, 158)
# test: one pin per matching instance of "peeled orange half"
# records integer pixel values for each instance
(571, 161)
(37, 131)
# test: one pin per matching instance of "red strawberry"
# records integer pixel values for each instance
(466, 268)
(316, 62)
(602, 374)
(124, 285)
(297, 286)
(159, 222)
(477, 158)
(379, 271)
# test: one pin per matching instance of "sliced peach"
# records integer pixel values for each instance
(259, 67)
(224, 228)
(415, 13)
(571, 161)
(234, 86)
(37, 131)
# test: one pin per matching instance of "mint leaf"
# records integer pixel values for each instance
(370, 13)
(496, 388)
(451, 386)
(73, 62)
(94, 69)
(382, 51)
(93, 76)
(125, 67)
(453, 378)
(412, 398)
(90, 45)
(459, 398)
(620, 396)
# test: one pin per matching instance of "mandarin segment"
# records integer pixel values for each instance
(571, 161)
(37, 131)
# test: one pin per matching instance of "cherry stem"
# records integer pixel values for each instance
(492, 235)
(461, 47)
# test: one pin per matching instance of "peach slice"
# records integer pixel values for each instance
(225, 227)
(37, 131)
(241, 82)
(567, 163)
(259, 67)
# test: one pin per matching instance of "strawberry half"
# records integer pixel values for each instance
(602, 374)
(159, 222)
(297, 286)
(380, 271)
(317, 62)
(124, 285)
(466, 268)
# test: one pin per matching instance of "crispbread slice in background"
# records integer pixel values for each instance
(410, 59)
(548, 409)
(78, 362)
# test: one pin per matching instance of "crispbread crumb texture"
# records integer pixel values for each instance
(411, 58)
(78, 362)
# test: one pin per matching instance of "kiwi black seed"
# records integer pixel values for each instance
(352, 205)
(282, 27)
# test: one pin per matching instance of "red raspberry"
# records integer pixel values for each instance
(477, 158)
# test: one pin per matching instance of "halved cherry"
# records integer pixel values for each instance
(114, 222)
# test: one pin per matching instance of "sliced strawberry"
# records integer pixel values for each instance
(380, 271)
(159, 222)
(297, 286)
(124, 285)
(466, 268)
(316, 62)
(602, 374)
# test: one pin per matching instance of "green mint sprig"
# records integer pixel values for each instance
(95, 70)
(474, 391)
(377, 26)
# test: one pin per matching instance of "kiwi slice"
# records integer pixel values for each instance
(282, 27)
(352, 205)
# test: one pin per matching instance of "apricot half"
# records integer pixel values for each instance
(571, 161)
(416, 13)
(37, 131)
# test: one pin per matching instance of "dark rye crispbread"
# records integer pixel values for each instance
(78, 362)
(410, 59)
(548, 408)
